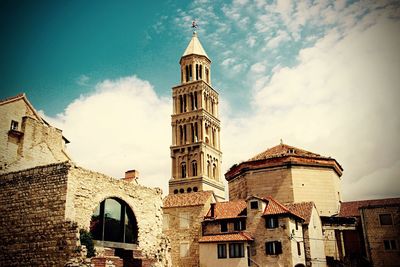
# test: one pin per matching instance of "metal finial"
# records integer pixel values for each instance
(281, 141)
(194, 26)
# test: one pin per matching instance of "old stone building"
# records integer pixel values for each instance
(252, 232)
(375, 241)
(46, 199)
(195, 154)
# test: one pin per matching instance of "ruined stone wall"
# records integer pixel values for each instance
(87, 189)
(33, 230)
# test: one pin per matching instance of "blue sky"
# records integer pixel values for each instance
(322, 76)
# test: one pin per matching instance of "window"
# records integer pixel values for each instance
(297, 224)
(190, 73)
(221, 251)
(187, 73)
(239, 225)
(184, 220)
(197, 72)
(194, 168)
(114, 221)
(271, 222)
(273, 248)
(390, 244)
(208, 168)
(184, 249)
(165, 221)
(298, 249)
(189, 190)
(214, 171)
(236, 250)
(385, 219)
(183, 169)
(176, 191)
(254, 205)
(14, 126)
(224, 227)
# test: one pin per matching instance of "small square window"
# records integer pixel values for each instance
(14, 126)
(254, 205)
(385, 219)
(390, 244)
(222, 251)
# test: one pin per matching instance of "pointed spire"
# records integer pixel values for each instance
(195, 47)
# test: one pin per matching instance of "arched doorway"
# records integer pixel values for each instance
(299, 265)
(114, 221)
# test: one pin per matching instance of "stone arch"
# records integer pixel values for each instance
(300, 265)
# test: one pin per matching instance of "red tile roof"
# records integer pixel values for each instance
(242, 236)
(304, 209)
(187, 199)
(283, 154)
(227, 210)
(275, 208)
(283, 150)
(351, 208)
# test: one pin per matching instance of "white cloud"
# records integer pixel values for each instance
(83, 80)
(280, 37)
(258, 68)
(123, 125)
(341, 100)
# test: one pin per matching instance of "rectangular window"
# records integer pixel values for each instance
(271, 222)
(239, 225)
(184, 220)
(390, 244)
(224, 227)
(254, 205)
(297, 224)
(221, 251)
(236, 250)
(14, 126)
(184, 249)
(165, 221)
(385, 219)
(273, 248)
(298, 249)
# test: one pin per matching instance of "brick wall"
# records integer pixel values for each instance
(32, 227)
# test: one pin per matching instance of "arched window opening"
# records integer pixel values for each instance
(192, 131)
(192, 101)
(208, 169)
(195, 189)
(197, 72)
(201, 72)
(181, 76)
(184, 103)
(180, 104)
(195, 101)
(187, 73)
(190, 73)
(181, 190)
(194, 168)
(113, 220)
(183, 169)
(189, 190)
(213, 137)
(180, 134)
(207, 76)
(196, 137)
(212, 107)
(176, 191)
(214, 171)
(184, 134)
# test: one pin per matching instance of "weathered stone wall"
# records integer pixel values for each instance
(33, 144)
(191, 234)
(376, 233)
(313, 241)
(87, 189)
(33, 230)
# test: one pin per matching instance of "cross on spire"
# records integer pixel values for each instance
(194, 26)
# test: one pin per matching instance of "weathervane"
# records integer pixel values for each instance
(194, 26)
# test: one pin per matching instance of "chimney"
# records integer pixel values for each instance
(212, 210)
(131, 175)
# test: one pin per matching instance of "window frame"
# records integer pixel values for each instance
(14, 125)
(236, 250)
(239, 225)
(387, 215)
(222, 251)
(224, 226)
(253, 206)
(390, 244)
(273, 248)
(271, 222)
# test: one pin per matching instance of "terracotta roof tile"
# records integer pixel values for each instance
(283, 150)
(275, 208)
(242, 236)
(187, 199)
(304, 209)
(351, 208)
(229, 209)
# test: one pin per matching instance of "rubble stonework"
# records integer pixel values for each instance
(43, 208)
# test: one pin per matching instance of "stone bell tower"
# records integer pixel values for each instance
(195, 149)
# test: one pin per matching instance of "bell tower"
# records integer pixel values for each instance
(195, 150)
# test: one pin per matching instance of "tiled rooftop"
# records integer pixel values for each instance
(350, 208)
(242, 236)
(304, 209)
(284, 150)
(229, 209)
(187, 200)
(276, 208)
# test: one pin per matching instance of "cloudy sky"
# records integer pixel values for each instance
(321, 75)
